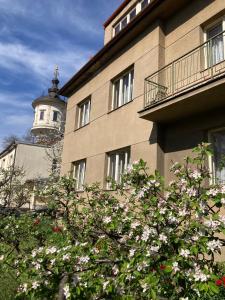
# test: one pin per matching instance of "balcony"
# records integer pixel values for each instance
(192, 84)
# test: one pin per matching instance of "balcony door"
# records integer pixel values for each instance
(215, 44)
(217, 139)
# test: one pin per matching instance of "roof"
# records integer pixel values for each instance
(116, 12)
(67, 89)
(16, 143)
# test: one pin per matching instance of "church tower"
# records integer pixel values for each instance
(49, 112)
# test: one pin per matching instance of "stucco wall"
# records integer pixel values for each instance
(33, 160)
(158, 45)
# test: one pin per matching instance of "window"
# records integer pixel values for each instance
(215, 45)
(55, 116)
(84, 113)
(132, 14)
(144, 3)
(123, 89)
(117, 163)
(79, 173)
(218, 164)
(42, 114)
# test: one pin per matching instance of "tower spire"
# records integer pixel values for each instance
(55, 81)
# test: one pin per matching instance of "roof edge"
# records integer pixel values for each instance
(116, 12)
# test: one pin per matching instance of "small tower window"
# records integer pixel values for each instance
(42, 114)
(55, 116)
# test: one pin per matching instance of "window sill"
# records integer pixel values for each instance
(81, 126)
(109, 112)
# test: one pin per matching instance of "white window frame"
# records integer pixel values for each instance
(121, 101)
(138, 9)
(84, 109)
(78, 173)
(205, 38)
(212, 168)
(115, 155)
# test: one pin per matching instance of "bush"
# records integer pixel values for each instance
(144, 241)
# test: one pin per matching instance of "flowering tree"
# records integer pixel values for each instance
(144, 241)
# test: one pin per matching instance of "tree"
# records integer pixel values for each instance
(14, 191)
(156, 243)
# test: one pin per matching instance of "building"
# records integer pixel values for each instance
(35, 159)
(154, 91)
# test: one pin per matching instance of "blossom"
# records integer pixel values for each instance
(163, 238)
(212, 192)
(115, 270)
(135, 224)
(184, 253)
(51, 250)
(2, 257)
(35, 285)
(24, 287)
(175, 267)
(211, 224)
(132, 252)
(196, 175)
(107, 220)
(66, 291)
(219, 282)
(66, 257)
(105, 284)
(154, 248)
(37, 266)
(214, 245)
(84, 259)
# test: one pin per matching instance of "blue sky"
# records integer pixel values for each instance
(34, 37)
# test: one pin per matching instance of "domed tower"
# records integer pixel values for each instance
(49, 111)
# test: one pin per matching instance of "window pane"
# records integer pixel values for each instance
(131, 84)
(216, 44)
(116, 94)
(124, 23)
(79, 174)
(84, 113)
(218, 141)
(55, 116)
(133, 14)
(42, 112)
(117, 29)
(125, 88)
(144, 3)
(117, 164)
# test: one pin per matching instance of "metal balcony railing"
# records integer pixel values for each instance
(192, 69)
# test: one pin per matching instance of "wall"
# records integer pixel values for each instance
(33, 160)
(158, 45)
(7, 160)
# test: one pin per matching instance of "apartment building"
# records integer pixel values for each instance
(154, 91)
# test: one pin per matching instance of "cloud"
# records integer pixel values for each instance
(15, 100)
(19, 120)
(19, 58)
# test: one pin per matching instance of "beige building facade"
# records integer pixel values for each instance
(154, 91)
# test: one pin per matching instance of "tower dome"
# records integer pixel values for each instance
(49, 111)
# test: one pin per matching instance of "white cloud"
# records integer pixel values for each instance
(15, 100)
(19, 58)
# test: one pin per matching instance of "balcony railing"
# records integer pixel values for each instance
(192, 69)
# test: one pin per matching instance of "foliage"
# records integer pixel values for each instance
(14, 191)
(143, 241)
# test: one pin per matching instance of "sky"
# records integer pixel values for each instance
(35, 36)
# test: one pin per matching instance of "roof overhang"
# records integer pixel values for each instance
(156, 10)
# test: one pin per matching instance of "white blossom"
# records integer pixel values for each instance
(105, 284)
(2, 257)
(84, 259)
(66, 291)
(66, 257)
(175, 267)
(135, 224)
(214, 245)
(51, 250)
(115, 270)
(35, 285)
(163, 238)
(184, 253)
(132, 252)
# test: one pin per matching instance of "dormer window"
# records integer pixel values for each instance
(130, 16)
(144, 3)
